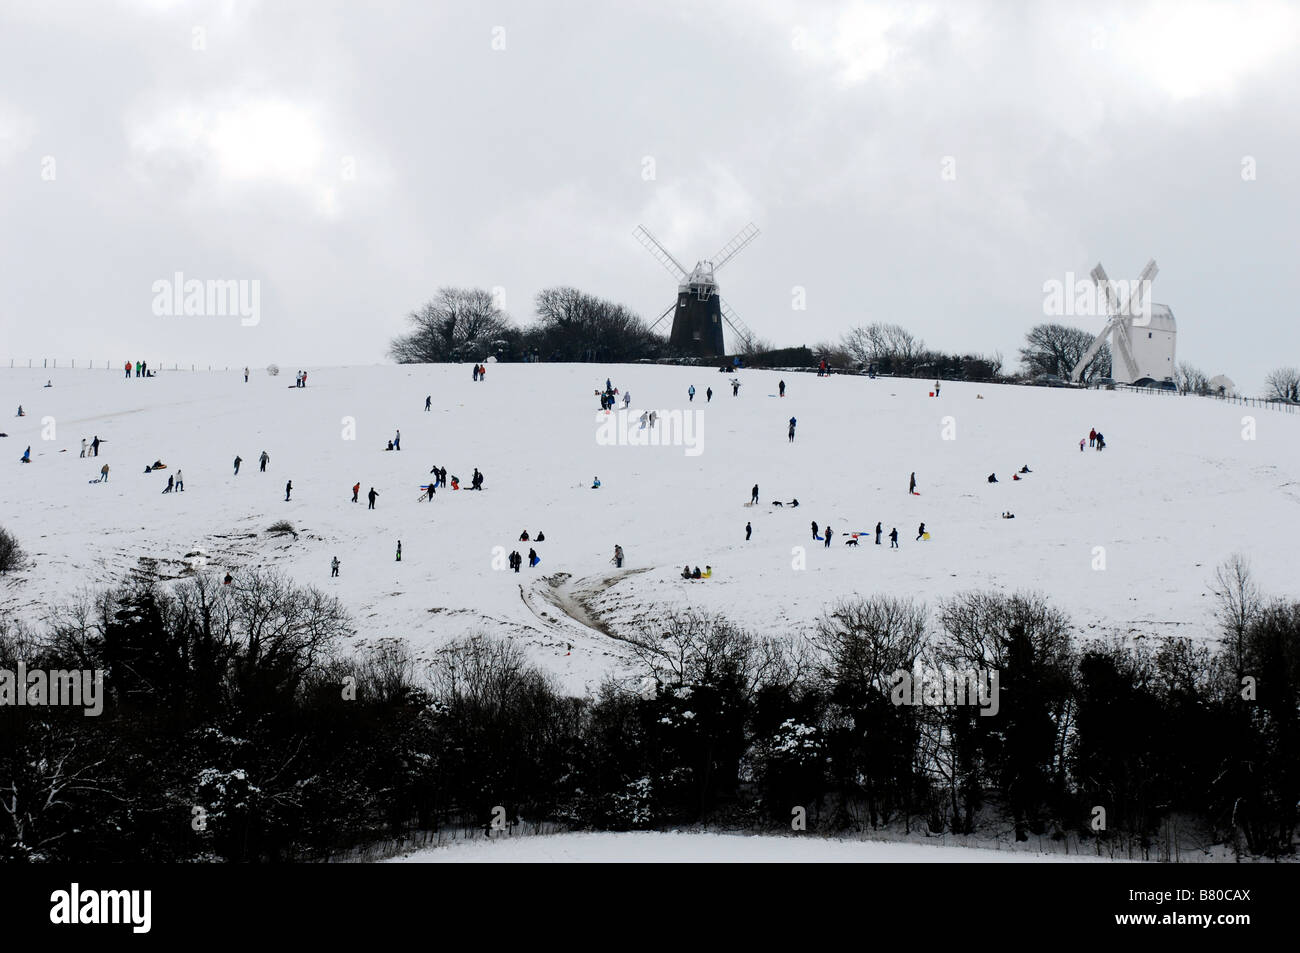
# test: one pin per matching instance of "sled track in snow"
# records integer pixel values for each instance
(571, 598)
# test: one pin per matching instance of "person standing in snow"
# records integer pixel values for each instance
(1092, 437)
(691, 393)
(245, 375)
(356, 488)
(877, 534)
(618, 556)
(83, 446)
(372, 496)
(911, 484)
(814, 529)
(654, 415)
(399, 550)
(780, 388)
(180, 482)
(264, 459)
(749, 530)
(828, 533)
(753, 494)
(936, 388)
(792, 423)
(533, 558)
(708, 394)
(103, 473)
(1081, 445)
(95, 444)
(238, 461)
(128, 370)
(893, 538)
(334, 566)
(428, 403)
(627, 399)
(288, 489)
(920, 531)
(171, 483)
(431, 488)
(735, 388)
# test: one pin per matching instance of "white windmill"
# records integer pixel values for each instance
(1142, 334)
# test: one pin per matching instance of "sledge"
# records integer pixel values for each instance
(925, 535)
(818, 538)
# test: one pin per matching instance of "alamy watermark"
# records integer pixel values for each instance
(652, 428)
(215, 298)
(1084, 297)
(944, 686)
(74, 688)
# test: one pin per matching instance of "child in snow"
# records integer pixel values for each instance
(595, 483)
(27, 455)
(618, 556)
(334, 566)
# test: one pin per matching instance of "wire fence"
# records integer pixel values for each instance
(1267, 403)
(52, 363)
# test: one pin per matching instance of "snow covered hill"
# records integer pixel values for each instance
(1176, 490)
(677, 848)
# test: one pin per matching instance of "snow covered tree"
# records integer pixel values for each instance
(459, 324)
(1283, 383)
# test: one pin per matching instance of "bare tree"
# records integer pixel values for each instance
(862, 642)
(881, 343)
(1191, 379)
(1058, 348)
(1239, 600)
(1283, 383)
(459, 324)
(575, 326)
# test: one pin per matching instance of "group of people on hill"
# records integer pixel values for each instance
(479, 372)
(608, 396)
(141, 369)
(689, 573)
(993, 477)
(90, 449)
(516, 560)
(263, 460)
(1095, 439)
(301, 380)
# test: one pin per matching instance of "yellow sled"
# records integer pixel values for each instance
(925, 535)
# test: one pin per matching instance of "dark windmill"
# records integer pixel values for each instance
(699, 311)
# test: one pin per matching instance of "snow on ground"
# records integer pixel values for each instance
(1176, 491)
(676, 848)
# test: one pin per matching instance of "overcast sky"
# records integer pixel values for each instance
(931, 165)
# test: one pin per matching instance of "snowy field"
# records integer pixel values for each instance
(1176, 490)
(677, 848)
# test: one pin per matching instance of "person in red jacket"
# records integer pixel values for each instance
(1092, 437)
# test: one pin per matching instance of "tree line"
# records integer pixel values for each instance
(469, 324)
(237, 727)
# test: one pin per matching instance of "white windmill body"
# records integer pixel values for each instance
(1142, 334)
